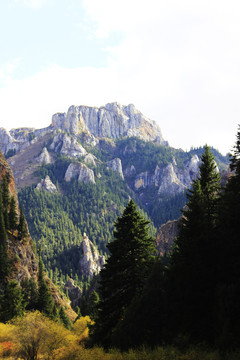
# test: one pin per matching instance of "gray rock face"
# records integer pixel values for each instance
(10, 142)
(90, 159)
(44, 157)
(170, 179)
(112, 121)
(74, 292)
(116, 165)
(81, 171)
(91, 262)
(67, 145)
(166, 236)
(47, 185)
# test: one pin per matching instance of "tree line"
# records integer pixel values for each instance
(16, 298)
(190, 298)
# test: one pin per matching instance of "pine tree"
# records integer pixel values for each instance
(22, 228)
(12, 215)
(4, 261)
(30, 292)
(124, 275)
(192, 272)
(93, 305)
(12, 302)
(5, 201)
(64, 318)
(45, 301)
(228, 256)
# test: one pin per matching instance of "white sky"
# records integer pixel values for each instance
(177, 61)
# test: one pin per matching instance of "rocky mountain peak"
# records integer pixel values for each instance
(45, 157)
(116, 165)
(47, 185)
(91, 262)
(112, 121)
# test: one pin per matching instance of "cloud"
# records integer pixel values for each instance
(178, 62)
(7, 70)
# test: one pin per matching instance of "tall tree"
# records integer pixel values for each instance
(228, 252)
(64, 318)
(124, 275)
(4, 262)
(192, 272)
(5, 200)
(12, 214)
(22, 228)
(12, 302)
(45, 300)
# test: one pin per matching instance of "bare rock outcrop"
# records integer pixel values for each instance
(74, 292)
(91, 262)
(170, 179)
(90, 159)
(45, 157)
(67, 145)
(112, 121)
(166, 236)
(116, 165)
(47, 185)
(81, 171)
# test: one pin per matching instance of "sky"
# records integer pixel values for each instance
(177, 61)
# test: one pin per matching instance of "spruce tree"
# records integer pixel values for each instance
(45, 300)
(22, 228)
(4, 261)
(12, 215)
(191, 276)
(93, 303)
(64, 318)
(5, 201)
(228, 255)
(12, 302)
(125, 273)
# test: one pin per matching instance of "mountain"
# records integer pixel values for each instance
(77, 175)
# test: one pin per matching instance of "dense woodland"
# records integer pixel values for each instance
(182, 307)
(57, 221)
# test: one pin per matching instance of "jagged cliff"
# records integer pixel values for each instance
(23, 259)
(112, 121)
(90, 261)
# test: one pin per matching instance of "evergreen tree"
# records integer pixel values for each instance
(191, 277)
(93, 303)
(64, 318)
(22, 228)
(30, 292)
(5, 201)
(145, 319)
(228, 255)
(12, 302)
(12, 215)
(4, 261)
(124, 275)
(45, 301)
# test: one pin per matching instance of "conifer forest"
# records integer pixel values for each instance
(184, 305)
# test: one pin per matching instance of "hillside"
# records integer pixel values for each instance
(77, 175)
(23, 264)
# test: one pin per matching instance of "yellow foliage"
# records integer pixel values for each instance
(5, 332)
(37, 334)
(80, 328)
